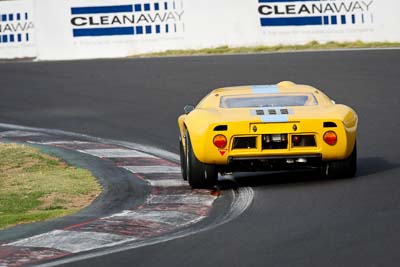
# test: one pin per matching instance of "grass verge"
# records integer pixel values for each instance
(36, 187)
(314, 45)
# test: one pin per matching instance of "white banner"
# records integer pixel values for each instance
(78, 29)
(98, 28)
(17, 30)
(298, 22)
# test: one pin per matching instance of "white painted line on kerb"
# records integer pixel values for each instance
(116, 153)
(153, 169)
(175, 218)
(73, 241)
(150, 149)
(61, 143)
(18, 133)
(168, 183)
(205, 200)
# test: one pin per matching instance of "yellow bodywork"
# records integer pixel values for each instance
(308, 119)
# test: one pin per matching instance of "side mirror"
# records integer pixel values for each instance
(188, 108)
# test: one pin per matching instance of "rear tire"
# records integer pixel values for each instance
(343, 168)
(198, 174)
(183, 159)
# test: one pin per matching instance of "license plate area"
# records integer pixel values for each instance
(274, 141)
(275, 128)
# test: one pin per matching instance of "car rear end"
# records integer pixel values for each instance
(280, 145)
(293, 130)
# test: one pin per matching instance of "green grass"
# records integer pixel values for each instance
(314, 45)
(36, 187)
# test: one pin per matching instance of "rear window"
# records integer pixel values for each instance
(270, 100)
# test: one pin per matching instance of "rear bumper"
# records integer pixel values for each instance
(263, 163)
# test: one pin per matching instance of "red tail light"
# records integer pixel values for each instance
(220, 141)
(330, 138)
(296, 139)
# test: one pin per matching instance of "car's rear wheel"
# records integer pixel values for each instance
(199, 175)
(343, 168)
(183, 159)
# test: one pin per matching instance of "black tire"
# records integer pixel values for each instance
(183, 159)
(199, 175)
(343, 168)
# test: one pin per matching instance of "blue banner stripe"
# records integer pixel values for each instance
(101, 9)
(264, 89)
(333, 20)
(293, 21)
(343, 19)
(280, 1)
(103, 31)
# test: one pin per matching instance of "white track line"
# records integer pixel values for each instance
(19, 133)
(168, 183)
(153, 169)
(175, 218)
(116, 153)
(62, 143)
(149, 149)
(206, 200)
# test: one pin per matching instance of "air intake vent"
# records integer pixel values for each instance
(244, 142)
(221, 128)
(284, 111)
(329, 124)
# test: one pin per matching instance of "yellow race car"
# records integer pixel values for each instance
(266, 127)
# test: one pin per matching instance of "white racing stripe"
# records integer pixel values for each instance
(153, 169)
(175, 218)
(73, 241)
(168, 183)
(206, 200)
(116, 153)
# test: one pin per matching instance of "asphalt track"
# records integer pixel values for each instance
(295, 219)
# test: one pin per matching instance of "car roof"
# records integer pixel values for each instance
(282, 87)
(212, 100)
